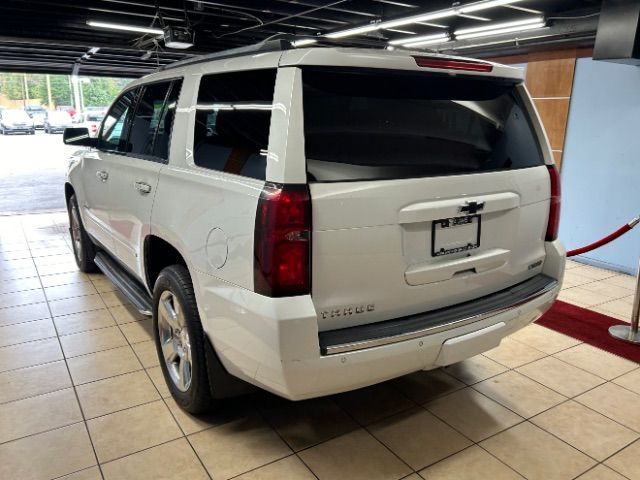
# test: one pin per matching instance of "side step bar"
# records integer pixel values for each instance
(130, 287)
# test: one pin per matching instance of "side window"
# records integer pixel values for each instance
(233, 115)
(165, 122)
(113, 136)
(147, 118)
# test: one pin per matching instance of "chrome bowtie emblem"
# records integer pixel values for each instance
(471, 207)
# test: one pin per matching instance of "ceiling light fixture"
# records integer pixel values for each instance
(422, 38)
(443, 39)
(125, 28)
(496, 26)
(422, 17)
(500, 31)
(303, 42)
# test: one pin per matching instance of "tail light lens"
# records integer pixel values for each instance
(282, 241)
(554, 204)
(452, 64)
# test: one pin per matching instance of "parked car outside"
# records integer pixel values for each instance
(37, 113)
(56, 122)
(90, 120)
(67, 108)
(16, 121)
(312, 221)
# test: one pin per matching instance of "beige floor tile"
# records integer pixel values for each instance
(25, 313)
(31, 381)
(604, 288)
(9, 265)
(126, 314)
(519, 393)
(23, 297)
(68, 306)
(614, 402)
(237, 447)
(9, 286)
(544, 339)
(171, 460)
(116, 393)
(473, 463)
(572, 279)
(475, 369)
(622, 280)
(26, 332)
(512, 354)
(47, 455)
(105, 364)
(28, 354)
(103, 285)
(586, 430)
(594, 272)
(114, 298)
(473, 414)
(226, 412)
(92, 341)
(601, 472)
(155, 373)
(84, 321)
(418, 437)
(617, 316)
(57, 268)
(38, 414)
(583, 297)
(47, 252)
(356, 456)
(137, 332)
(306, 423)
(14, 254)
(596, 361)
(63, 279)
(626, 461)
(92, 473)
(146, 353)
(424, 386)
(630, 381)
(44, 260)
(289, 468)
(16, 273)
(129, 431)
(368, 405)
(536, 454)
(619, 308)
(560, 376)
(72, 290)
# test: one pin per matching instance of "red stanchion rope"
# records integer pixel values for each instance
(603, 241)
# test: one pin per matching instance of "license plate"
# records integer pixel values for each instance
(452, 235)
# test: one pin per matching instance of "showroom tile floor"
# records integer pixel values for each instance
(82, 396)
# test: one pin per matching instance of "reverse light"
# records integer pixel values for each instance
(282, 241)
(554, 204)
(451, 64)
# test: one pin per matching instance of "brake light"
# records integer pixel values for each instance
(450, 64)
(554, 204)
(282, 241)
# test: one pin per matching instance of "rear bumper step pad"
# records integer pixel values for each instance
(399, 329)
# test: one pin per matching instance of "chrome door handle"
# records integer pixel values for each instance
(102, 175)
(142, 187)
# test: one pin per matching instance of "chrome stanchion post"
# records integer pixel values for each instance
(630, 333)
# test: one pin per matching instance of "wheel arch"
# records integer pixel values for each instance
(158, 254)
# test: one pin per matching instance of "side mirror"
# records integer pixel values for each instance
(78, 136)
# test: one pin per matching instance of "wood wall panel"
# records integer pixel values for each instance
(551, 77)
(554, 113)
(557, 156)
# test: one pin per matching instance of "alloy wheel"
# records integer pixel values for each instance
(76, 234)
(174, 340)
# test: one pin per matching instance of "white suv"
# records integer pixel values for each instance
(312, 221)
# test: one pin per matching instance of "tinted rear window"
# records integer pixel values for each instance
(371, 125)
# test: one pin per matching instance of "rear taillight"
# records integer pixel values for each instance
(450, 64)
(282, 241)
(554, 204)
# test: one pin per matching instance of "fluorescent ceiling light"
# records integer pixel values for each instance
(303, 42)
(475, 7)
(496, 26)
(354, 31)
(499, 31)
(424, 17)
(126, 28)
(422, 38)
(442, 39)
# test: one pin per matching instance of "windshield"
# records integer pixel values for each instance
(368, 124)
(15, 116)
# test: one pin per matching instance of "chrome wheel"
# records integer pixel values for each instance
(76, 234)
(174, 340)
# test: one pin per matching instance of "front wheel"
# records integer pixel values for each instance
(180, 340)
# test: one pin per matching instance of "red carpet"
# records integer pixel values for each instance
(590, 327)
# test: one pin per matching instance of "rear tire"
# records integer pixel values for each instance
(84, 250)
(180, 340)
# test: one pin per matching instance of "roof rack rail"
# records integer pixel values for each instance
(278, 45)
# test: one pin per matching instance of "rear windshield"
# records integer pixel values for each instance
(374, 125)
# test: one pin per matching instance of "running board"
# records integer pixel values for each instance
(125, 283)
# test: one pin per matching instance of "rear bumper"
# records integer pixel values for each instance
(275, 343)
